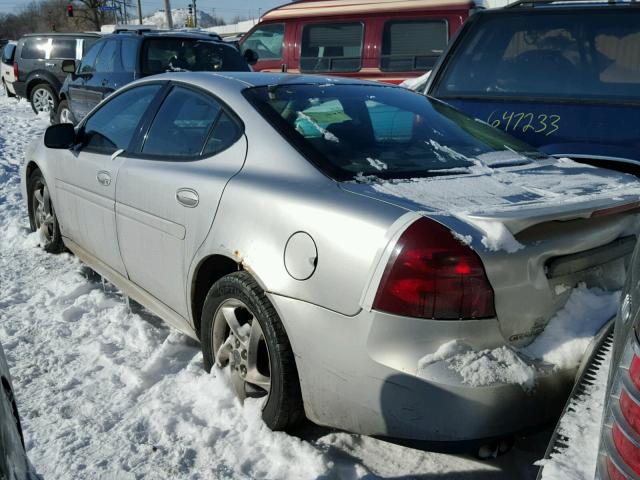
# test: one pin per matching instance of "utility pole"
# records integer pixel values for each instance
(195, 14)
(140, 12)
(167, 12)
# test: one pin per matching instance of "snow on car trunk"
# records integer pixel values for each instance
(540, 227)
(108, 393)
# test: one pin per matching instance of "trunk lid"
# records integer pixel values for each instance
(540, 228)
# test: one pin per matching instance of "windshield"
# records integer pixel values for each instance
(578, 55)
(353, 130)
(190, 54)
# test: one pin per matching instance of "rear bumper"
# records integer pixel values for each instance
(20, 89)
(360, 374)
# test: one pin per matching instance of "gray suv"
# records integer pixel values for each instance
(39, 60)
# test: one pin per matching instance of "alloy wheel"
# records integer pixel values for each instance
(42, 100)
(43, 215)
(238, 341)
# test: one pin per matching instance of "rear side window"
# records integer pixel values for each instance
(161, 55)
(182, 125)
(113, 125)
(8, 53)
(412, 45)
(89, 60)
(266, 41)
(63, 48)
(107, 58)
(35, 48)
(331, 47)
(570, 55)
(225, 132)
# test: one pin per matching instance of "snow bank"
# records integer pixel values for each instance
(582, 425)
(106, 393)
(562, 344)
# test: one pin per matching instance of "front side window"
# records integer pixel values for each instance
(182, 125)
(267, 41)
(161, 55)
(412, 45)
(113, 125)
(129, 53)
(352, 130)
(63, 48)
(331, 47)
(570, 55)
(88, 61)
(107, 58)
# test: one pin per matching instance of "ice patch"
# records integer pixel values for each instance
(377, 164)
(464, 239)
(496, 236)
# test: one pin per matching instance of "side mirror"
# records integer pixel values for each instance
(61, 136)
(69, 66)
(250, 56)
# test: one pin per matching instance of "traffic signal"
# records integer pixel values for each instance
(190, 10)
(69, 10)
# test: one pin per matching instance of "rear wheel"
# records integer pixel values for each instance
(242, 331)
(43, 99)
(42, 216)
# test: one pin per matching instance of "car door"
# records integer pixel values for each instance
(96, 87)
(86, 176)
(77, 83)
(168, 193)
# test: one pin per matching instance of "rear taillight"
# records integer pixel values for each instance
(620, 448)
(16, 70)
(431, 274)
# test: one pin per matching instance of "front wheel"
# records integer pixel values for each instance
(242, 331)
(64, 114)
(42, 216)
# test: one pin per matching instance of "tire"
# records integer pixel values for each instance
(240, 293)
(63, 107)
(42, 215)
(43, 98)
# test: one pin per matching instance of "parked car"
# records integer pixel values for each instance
(321, 236)
(14, 463)
(387, 40)
(562, 76)
(118, 59)
(38, 65)
(7, 73)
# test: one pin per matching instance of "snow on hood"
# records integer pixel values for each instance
(504, 186)
(561, 345)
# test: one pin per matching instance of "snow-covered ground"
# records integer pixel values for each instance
(109, 393)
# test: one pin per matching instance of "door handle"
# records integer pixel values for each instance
(187, 197)
(104, 178)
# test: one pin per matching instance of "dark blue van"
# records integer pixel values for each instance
(562, 76)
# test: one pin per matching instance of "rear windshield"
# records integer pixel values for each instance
(350, 131)
(584, 55)
(161, 55)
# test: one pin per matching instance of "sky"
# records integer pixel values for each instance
(224, 8)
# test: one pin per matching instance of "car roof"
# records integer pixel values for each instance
(571, 4)
(167, 33)
(62, 34)
(242, 80)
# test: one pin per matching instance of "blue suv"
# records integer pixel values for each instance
(562, 76)
(126, 55)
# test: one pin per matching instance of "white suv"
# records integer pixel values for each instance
(6, 68)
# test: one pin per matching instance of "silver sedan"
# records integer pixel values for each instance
(324, 239)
